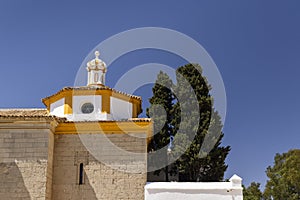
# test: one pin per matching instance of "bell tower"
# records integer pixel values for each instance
(96, 71)
(94, 102)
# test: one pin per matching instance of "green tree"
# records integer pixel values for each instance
(252, 192)
(196, 126)
(161, 113)
(199, 128)
(284, 177)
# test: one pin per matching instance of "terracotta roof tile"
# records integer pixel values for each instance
(24, 112)
(93, 88)
(43, 113)
(124, 120)
(27, 113)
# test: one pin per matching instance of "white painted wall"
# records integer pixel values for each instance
(57, 108)
(195, 191)
(97, 114)
(78, 101)
(120, 109)
(96, 77)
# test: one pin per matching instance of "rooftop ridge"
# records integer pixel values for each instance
(6, 109)
(91, 88)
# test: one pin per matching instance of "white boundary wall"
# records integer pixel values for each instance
(195, 190)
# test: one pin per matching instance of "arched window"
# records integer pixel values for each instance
(81, 177)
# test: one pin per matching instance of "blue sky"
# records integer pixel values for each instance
(255, 44)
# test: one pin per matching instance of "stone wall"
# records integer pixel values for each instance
(24, 156)
(113, 167)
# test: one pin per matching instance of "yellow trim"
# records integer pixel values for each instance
(136, 107)
(108, 127)
(68, 107)
(134, 111)
(121, 96)
(68, 95)
(106, 102)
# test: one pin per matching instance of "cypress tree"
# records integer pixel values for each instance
(189, 116)
(161, 113)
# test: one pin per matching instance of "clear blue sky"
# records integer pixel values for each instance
(255, 44)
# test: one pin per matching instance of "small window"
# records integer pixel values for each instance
(87, 108)
(81, 174)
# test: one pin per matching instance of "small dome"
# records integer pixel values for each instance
(96, 71)
(96, 64)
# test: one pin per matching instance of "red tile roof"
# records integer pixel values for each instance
(93, 88)
(43, 113)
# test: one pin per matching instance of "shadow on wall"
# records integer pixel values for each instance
(84, 191)
(12, 185)
(100, 181)
(69, 154)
